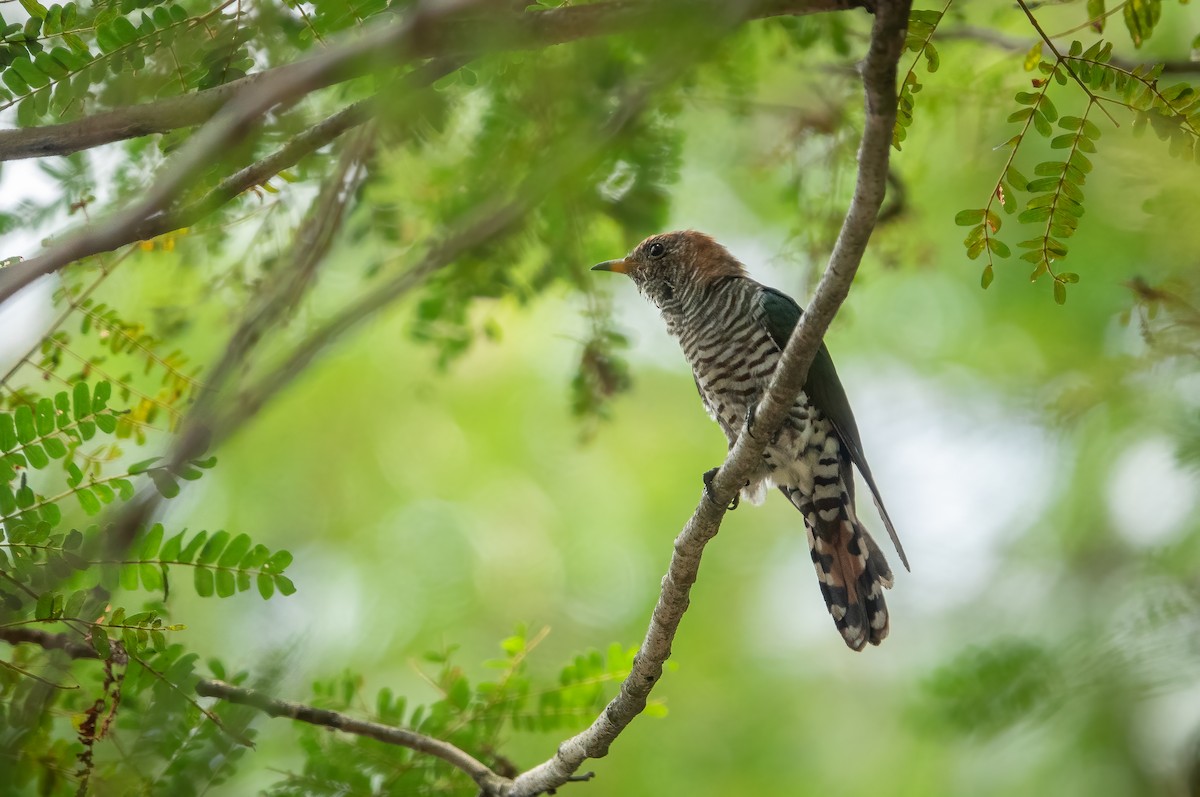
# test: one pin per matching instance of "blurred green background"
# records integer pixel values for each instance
(1040, 462)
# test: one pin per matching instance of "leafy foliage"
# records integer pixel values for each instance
(921, 27)
(474, 717)
(1056, 196)
(88, 405)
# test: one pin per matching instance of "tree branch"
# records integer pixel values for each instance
(283, 87)
(23, 634)
(1018, 45)
(879, 79)
(445, 34)
(479, 772)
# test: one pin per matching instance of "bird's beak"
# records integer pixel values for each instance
(619, 266)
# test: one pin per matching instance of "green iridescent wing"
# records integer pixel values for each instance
(779, 313)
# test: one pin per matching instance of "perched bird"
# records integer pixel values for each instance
(732, 331)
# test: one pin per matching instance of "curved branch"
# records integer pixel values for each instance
(388, 734)
(449, 35)
(879, 79)
(280, 88)
(272, 707)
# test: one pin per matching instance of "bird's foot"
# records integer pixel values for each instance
(711, 474)
(749, 422)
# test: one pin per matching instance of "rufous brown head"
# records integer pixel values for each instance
(664, 263)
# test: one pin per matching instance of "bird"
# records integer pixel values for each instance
(733, 330)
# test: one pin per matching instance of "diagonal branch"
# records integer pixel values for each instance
(879, 79)
(272, 707)
(445, 34)
(389, 734)
(244, 110)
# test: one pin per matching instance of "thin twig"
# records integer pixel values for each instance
(242, 111)
(389, 734)
(1017, 45)
(1049, 43)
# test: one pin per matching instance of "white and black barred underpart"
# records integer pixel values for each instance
(721, 329)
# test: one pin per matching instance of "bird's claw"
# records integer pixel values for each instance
(750, 419)
(711, 474)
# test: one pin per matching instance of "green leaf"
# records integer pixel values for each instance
(55, 447)
(1043, 184)
(266, 586)
(1034, 215)
(8, 432)
(50, 66)
(106, 422)
(62, 405)
(968, 218)
(104, 492)
(88, 501)
(284, 585)
(26, 431)
(152, 577)
(37, 456)
(15, 82)
(35, 77)
(190, 550)
(932, 61)
(225, 583)
(1047, 108)
(45, 606)
(100, 396)
(82, 400)
(238, 547)
(171, 550)
(1042, 124)
(100, 643)
(124, 30)
(124, 488)
(151, 542)
(1060, 293)
(107, 39)
(45, 417)
(214, 547)
(1021, 115)
(1015, 178)
(1095, 12)
(279, 561)
(203, 581)
(254, 559)
(986, 279)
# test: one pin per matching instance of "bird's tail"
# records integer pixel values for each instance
(851, 570)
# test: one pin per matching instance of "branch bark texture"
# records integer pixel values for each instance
(879, 79)
(479, 772)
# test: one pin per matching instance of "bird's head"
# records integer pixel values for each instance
(666, 263)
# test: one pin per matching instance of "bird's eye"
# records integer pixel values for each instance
(657, 250)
